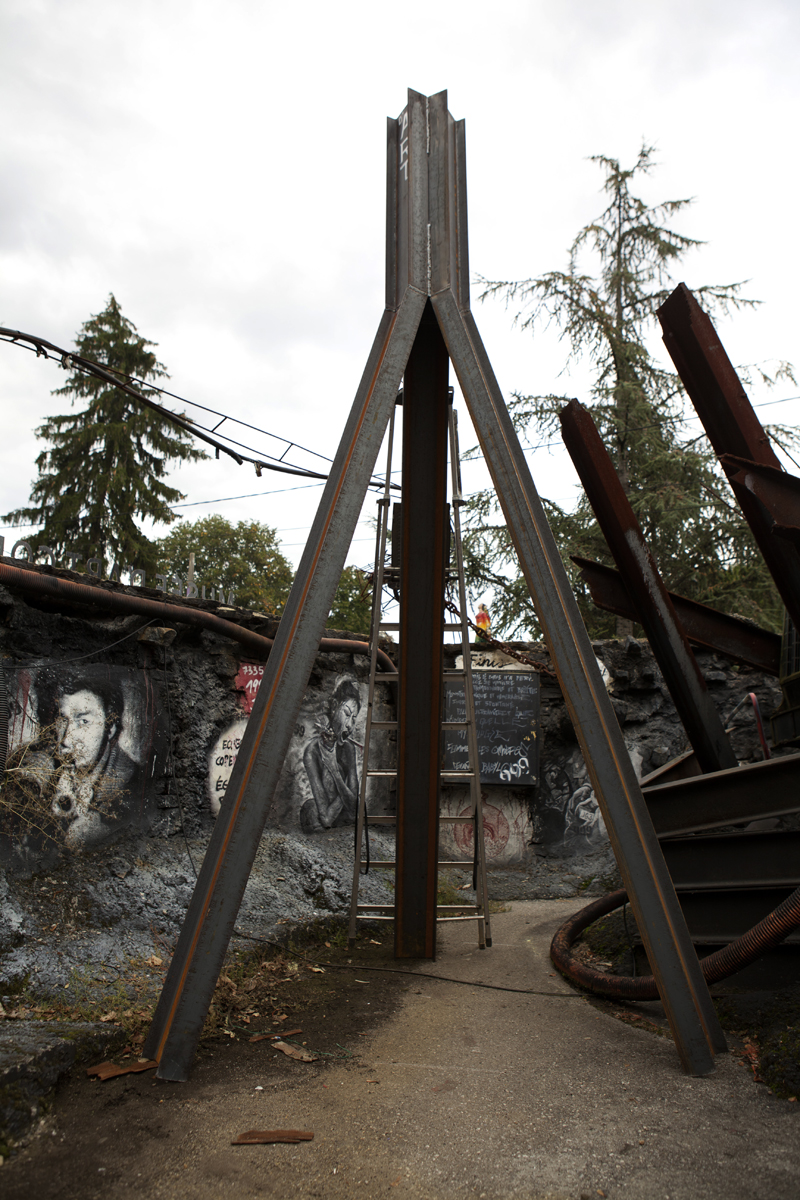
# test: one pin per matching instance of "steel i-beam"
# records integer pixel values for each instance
(427, 258)
(425, 535)
(646, 588)
(737, 639)
(731, 424)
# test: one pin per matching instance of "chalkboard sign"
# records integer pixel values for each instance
(507, 718)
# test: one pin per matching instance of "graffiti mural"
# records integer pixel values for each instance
(83, 763)
(569, 817)
(321, 776)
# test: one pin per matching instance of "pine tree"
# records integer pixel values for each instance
(694, 528)
(243, 559)
(105, 465)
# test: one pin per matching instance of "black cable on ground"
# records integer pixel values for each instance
(494, 987)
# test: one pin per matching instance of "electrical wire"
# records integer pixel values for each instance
(222, 500)
(58, 662)
(69, 359)
(493, 987)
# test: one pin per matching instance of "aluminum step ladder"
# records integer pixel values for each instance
(479, 910)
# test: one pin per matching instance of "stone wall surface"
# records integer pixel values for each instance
(121, 738)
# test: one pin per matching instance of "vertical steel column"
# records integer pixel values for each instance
(646, 588)
(426, 257)
(422, 585)
(732, 426)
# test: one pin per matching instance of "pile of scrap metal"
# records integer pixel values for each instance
(738, 887)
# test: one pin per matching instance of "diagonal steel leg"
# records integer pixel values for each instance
(683, 991)
(204, 938)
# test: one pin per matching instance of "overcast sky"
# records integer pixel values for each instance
(221, 169)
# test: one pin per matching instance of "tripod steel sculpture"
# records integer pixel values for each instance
(426, 322)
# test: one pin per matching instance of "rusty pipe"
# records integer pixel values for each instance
(121, 602)
(751, 945)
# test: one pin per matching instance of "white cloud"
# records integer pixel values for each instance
(221, 170)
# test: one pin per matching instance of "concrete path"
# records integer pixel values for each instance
(467, 1092)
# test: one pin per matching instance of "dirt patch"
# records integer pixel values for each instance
(121, 1130)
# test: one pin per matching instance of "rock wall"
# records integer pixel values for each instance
(121, 737)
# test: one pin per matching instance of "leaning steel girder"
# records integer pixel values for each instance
(732, 427)
(427, 263)
(740, 640)
(644, 584)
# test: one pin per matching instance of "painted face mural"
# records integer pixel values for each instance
(331, 762)
(320, 780)
(81, 727)
(83, 750)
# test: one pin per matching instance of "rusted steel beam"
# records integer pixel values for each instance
(646, 589)
(740, 640)
(749, 793)
(777, 490)
(731, 424)
(734, 860)
(715, 918)
(426, 259)
(711, 381)
(422, 575)
(683, 991)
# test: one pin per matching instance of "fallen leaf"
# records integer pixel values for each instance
(109, 1070)
(372, 942)
(261, 1137)
(269, 1037)
(373, 1081)
(109, 1016)
(317, 970)
(295, 1052)
(154, 961)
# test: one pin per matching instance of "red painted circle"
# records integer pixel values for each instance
(495, 832)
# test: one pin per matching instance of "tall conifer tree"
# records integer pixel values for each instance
(619, 270)
(105, 465)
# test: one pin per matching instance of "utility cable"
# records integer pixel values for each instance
(70, 359)
(494, 987)
(58, 662)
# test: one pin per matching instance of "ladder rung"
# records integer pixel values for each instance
(456, 820)
(392, 626)
(387, 676)
(382, 819)
(452, 627)
(456, 776)
(385, 725)
(454, 724)
(372, 863)
(376, 774)
(384, 908)
(463, 863)
(453, 673)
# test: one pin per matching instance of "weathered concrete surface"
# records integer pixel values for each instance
(460, 1092)
(34, 1057)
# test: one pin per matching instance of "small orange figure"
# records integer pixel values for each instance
(483, 621)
